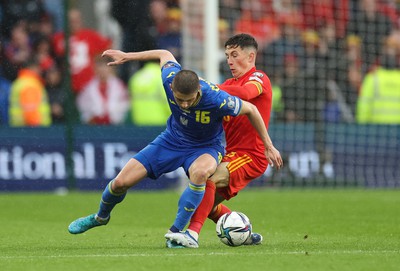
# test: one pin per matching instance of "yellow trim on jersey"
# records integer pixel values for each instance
(170, 74)
(220, 157)
(237, 163)
(257, 84)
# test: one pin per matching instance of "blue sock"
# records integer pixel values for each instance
(108, 200)
(188, 202)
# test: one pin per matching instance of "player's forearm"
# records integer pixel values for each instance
(162, 55)
(258, 124)
(120, 57)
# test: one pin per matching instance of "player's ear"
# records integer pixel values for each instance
(252, 56)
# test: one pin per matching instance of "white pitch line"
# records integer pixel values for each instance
(241, 253)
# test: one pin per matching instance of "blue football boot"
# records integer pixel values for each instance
(85, 223)
(254, 239)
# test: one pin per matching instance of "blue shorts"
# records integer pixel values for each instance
(162, 156)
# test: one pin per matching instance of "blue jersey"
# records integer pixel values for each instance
(201, 124)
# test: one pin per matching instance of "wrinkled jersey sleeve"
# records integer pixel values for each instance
(168, 72)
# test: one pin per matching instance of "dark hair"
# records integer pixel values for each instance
(242, 41)
(186, 82)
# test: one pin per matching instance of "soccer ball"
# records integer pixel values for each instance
(233, 229)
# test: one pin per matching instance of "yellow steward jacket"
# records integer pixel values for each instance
(29, 104)
(149, 103)
(379, 100)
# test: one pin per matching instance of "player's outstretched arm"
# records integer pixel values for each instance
(120, 57)
(272, 154)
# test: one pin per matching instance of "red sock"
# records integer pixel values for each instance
(218, 211)
(205, 207)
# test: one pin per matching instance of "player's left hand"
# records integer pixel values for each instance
(274, 157)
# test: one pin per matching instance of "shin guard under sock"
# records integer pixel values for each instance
(204, 209)
(108, 201)
(188, 203)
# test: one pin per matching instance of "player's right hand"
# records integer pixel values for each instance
(117, 56)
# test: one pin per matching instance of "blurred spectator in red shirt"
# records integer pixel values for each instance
(256, 21)
(85, 44)
(288, 10)
(105, 99)
(324, 12)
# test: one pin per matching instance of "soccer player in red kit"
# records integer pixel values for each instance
(85, 45)
(245, 158)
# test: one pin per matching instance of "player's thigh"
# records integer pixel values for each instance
(131, 174)
(158, 159)
(202, 168)
(221, 175)
(242, 168)
(201, 162)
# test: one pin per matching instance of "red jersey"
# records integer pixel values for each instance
(84, 46)
(240, 135)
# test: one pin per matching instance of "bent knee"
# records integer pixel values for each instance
(120, 185)
(199, 176)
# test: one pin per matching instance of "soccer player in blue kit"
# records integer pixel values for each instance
(192, 139)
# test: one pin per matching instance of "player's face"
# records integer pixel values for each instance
(239, 60)
(185, 101)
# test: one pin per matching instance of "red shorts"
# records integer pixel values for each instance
(243, 168)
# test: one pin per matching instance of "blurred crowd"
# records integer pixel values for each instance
(329, 61)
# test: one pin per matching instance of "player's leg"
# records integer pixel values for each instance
(190, 237)
(199, 216)
(201, 213)
(243, 168)
(191, 197)
(115, 191)
(218, 209)
(141, 165)
(199, 171)
(220, 176)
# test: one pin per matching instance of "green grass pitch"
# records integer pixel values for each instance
(332, 229)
